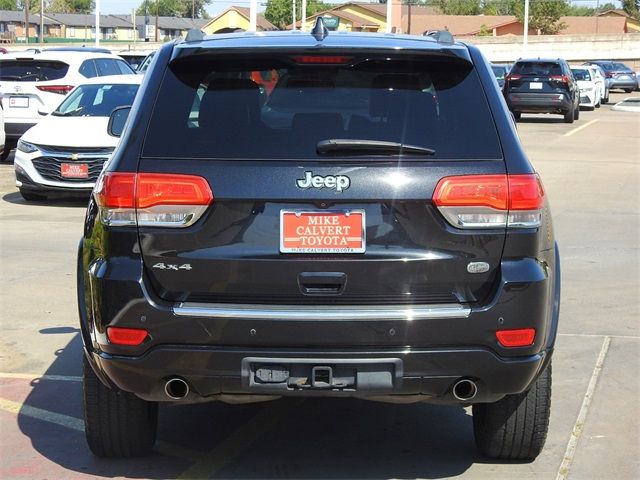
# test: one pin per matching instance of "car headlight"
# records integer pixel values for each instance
(26, 147)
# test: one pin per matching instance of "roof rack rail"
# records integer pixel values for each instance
(194, 35)
(440, 36)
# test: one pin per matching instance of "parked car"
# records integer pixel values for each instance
(600, 78)
(65, 152)
(620, 76)
(542, 86)
(590, 89)
(33, 84)
(243, 245)
(142, 68)
(134, 57)
(2, 134)
(500, 71)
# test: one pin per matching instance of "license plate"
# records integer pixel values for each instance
(535, 86)
(322, 232)
(19, 102)
(74, 170)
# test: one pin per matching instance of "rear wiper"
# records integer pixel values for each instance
(374, 147)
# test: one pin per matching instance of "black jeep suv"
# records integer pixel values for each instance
(344, 215)
(542, 86)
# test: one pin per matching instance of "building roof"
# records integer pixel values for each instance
(87, 19)
(17, 16)
(614, 12)
(457, 24)
(166, 23)
(261, 21)
(594, 25)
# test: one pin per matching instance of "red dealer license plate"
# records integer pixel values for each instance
(74, 170)
(322, 232)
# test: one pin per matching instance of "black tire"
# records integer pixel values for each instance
(515, 428)
(32, 197)
(5, 153)
(576, 113)
(517, 115)
(569, 116)
(628, 90)
(117, 423)
(605, 100)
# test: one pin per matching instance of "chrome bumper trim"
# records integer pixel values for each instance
(317, 312)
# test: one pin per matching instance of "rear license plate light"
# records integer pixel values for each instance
(322, 232)
(74, 170)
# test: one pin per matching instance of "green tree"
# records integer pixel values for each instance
(606, 6)
(632, 7)
(499, 7)
(8, 5)
(459, 7)
(174, 8)
(544, 15)
(68, 6)
(279, 12)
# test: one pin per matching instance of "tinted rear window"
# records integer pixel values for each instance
(273, 108)
(581, 75)
(540, 69)
(32, 70)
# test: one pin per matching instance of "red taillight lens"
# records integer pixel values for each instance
(522, 337)
(61, 89)
(560, 78)
(152, 199)
(322, 59)
(126, 336)
(473, 190)
(525, 192)
(512, 77)
(490, 201)
(609, 74)
(164, 189)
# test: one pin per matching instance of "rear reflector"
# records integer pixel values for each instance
(322, 59)
(152, 199)
(490, 201)
(126, 336)
(522, 337)
(61, 89)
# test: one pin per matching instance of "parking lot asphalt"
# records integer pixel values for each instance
(591, 172)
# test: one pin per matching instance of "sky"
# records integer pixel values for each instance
(217, 6)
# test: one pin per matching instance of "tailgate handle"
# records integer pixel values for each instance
(322, 283)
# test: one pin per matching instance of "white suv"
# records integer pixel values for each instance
(33, 84)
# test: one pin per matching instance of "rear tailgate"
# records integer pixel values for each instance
(290, 225)
(28, 85)
(537, 77)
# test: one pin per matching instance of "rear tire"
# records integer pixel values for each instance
(515, 428)
(117, 423)
(569, 116)
(517, 115)
(606, 98)
(628, 90)
(32, 197)
(576, 113)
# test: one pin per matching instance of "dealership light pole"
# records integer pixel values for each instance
(389, 19)
(41, 36)
(293, 25)
(303, 17)
(253, 16)
(97, 23)
(526, 25)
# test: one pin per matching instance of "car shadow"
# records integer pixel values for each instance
(58, 201)
(315, 438)
(541, 119)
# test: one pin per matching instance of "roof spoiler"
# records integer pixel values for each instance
(440, 36)
(194, 35)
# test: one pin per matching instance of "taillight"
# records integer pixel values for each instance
(490, 201)
(152, 199)
(61, 89)
(609, 74)
(508, 78)
(560, 78)
(522, 337)
(126, 336)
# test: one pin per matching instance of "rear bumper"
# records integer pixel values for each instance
(216, 373)
(14, 130)
(539, 102)
(420, 351)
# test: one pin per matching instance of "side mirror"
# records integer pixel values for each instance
(117, 121)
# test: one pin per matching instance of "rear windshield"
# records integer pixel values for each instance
(499, 72)
(540, 69)
(32, 70)
(581, 74)
(620, 66)
(281, 108)
(96, 100)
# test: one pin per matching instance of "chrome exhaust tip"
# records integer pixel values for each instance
(465, 390)
(176, 388)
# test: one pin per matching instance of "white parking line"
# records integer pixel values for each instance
(35, 376)
(598, 335)
(565, 466)
(581, 127)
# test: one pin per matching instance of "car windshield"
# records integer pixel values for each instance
(28, 70)
(499, 72)
(581, 74)
(285, 106)
(96, 100)
(541, 69)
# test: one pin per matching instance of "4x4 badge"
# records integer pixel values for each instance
(339, 182)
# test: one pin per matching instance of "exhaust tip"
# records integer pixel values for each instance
(176, 388)
(465, 390)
